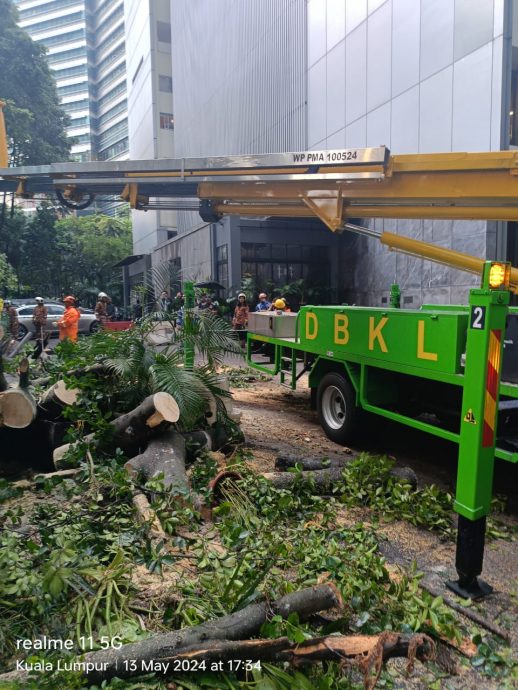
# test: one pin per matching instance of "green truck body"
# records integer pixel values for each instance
(410, 366)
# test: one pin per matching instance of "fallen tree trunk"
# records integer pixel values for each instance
(367, 651)
(55, 398)
(240, 625)
(285, 462)
(164, 455)
(17, 406)
(132, 429)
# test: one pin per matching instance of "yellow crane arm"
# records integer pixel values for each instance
(335, 186)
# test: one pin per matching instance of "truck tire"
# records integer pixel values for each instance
(336, 406)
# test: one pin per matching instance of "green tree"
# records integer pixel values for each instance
(7, 276)
(40, 262)
(34, 119)
(89, 246)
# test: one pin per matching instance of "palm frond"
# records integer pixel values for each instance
(213, 338)
(187, 389)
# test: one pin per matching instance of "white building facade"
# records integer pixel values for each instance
(259, 76)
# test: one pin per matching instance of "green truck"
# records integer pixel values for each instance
(445, 361)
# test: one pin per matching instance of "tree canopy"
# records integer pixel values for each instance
(34, 119)
(51, 255)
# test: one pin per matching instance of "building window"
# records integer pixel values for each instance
(166, 121)
(222, 265)
(163, 32)
(165, 84)
(277, 265)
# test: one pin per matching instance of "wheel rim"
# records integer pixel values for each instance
(333, 407)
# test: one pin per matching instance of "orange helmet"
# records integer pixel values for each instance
(69, 298)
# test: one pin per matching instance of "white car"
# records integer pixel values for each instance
(87, 323)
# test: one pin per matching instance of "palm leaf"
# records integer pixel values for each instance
(187, 389)
(213, 338)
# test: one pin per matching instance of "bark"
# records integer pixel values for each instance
(368, 652)
(284, 462)
(322, 480)
(165, 455)
(55, 398)
(240, 625)
(23, 373)
(131, 430)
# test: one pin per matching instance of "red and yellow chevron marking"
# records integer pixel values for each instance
(493, 369)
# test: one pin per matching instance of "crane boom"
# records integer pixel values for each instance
(335, 186)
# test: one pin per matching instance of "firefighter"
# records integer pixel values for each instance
(101, 308)
(39, 319)
(13, 326)
(68, 324)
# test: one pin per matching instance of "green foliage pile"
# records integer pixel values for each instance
(34, 119)
(68, 560)
(66, 570)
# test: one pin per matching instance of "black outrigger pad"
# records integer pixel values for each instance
(473, 589)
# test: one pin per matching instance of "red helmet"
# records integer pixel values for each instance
(69, 298)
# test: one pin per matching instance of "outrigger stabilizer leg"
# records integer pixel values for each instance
(471, 536)
(486, 329)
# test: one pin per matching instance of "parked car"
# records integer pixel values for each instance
(87, 323)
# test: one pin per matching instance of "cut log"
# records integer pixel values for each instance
(132, 429)
(285, 462)
(322, 480)
(55, 398)
(240, 625)
(17, 406)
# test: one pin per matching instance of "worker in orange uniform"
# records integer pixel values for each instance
(68, 324)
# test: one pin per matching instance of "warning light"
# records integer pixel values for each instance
(499, 275)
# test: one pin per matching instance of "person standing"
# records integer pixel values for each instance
(240, 320)
(101, 308)
(39, 319)
(68, 324)
(137, 310)
(263, 304)
(13, 326)
(164, 301)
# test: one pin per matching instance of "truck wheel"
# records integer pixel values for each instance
(336, 405)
